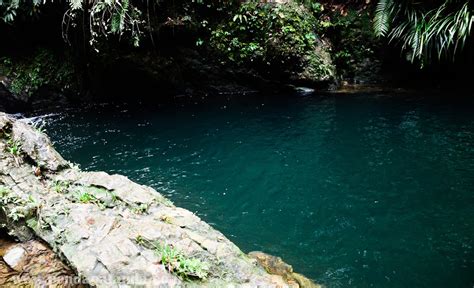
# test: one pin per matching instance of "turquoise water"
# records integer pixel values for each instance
(352, 190)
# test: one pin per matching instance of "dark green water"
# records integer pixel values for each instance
(353, 191)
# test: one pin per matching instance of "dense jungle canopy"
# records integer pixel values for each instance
(307, 42)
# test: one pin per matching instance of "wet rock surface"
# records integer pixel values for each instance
(276, 266)
(98, 223)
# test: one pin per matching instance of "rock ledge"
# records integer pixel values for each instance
(111, 231)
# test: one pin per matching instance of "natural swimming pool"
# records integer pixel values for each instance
(362, 190)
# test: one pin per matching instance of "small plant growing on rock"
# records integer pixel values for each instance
(141, 209)
(16, 214)
(21, 208)
(39, 126)
(193, 267)
(95, 195)
(175, 261)
(86, 198)
(13, 146)
(165, 201)
(7, 198)
(167, 219)
(4, 191)
(60, 186)
(89, 198)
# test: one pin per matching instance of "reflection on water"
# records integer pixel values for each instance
(359, 191)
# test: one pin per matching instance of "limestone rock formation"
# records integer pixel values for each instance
(111, 231)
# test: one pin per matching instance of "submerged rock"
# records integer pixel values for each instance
(272, 264)
(112, 231)
(275, 265)
(304, 90)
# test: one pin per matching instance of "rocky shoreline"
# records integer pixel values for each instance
(111, 231)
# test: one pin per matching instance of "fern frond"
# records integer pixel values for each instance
(382, 17)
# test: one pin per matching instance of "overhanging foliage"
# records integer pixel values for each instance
(426, 29)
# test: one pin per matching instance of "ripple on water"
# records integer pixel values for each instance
(354, 191)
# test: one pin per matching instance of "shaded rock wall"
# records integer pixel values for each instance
(8, 101)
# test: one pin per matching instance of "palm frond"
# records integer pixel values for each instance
(442, 30)
(382, 17)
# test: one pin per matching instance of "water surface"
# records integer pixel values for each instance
(352, 190)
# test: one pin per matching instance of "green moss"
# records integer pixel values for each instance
(43, 68)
